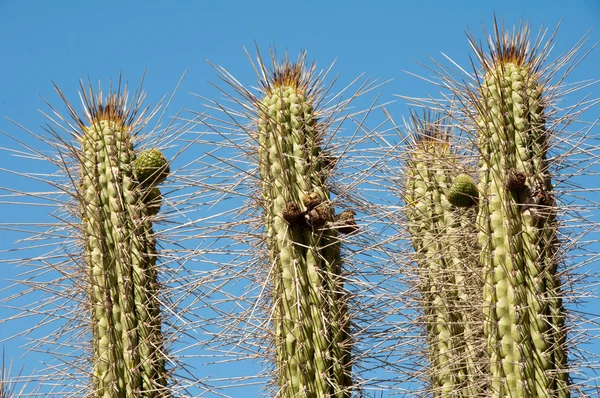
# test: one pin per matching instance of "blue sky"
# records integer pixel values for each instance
(62, 41)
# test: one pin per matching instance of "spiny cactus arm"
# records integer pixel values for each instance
(463, 254)
(287, 258)
(106, 229)
(505, 292)
(455, 196)
(146, 289)
(469, 286)
(339, 324)
(441, 219)
(551, 334)
(112, 185)
(298, 271)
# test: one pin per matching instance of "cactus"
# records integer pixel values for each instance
(284, 159)
(486, 246)
(310, 321)
(113, 285)
(120, 254)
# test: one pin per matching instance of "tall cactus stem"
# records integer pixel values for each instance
(310, 317)
(120, 254)
(444, 240)
(518, 230)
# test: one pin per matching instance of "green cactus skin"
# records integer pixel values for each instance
(310, 317)
(120, 255)
(523, 308)
(444, 243)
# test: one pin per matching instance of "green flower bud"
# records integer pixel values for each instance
(151, 167)
(463, 192)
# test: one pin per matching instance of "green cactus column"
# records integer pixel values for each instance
(120, 255)
(441, 218)
(309, 315)
(524, 315)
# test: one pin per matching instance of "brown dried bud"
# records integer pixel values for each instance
(318, 216)
(291, 213)
(311, 200)
(516, 180)
(345, 223)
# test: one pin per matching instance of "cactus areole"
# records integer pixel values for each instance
(120, 254)
(310, 321)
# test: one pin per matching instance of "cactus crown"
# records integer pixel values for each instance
(429, 132)
(116, 106)
(512, 48)
(288, 74)
(290, 133)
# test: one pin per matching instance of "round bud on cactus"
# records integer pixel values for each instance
(153, 201)
(291, 213)
(463, 192)
(345, 223)
(311, 200)
(151, 167)
(318, 216)
(516, 180)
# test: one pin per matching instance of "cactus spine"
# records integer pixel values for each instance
(518, 230)
(120, 255)
(444, 240)
(311, 325)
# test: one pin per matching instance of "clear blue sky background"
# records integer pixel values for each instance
(63, 41)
